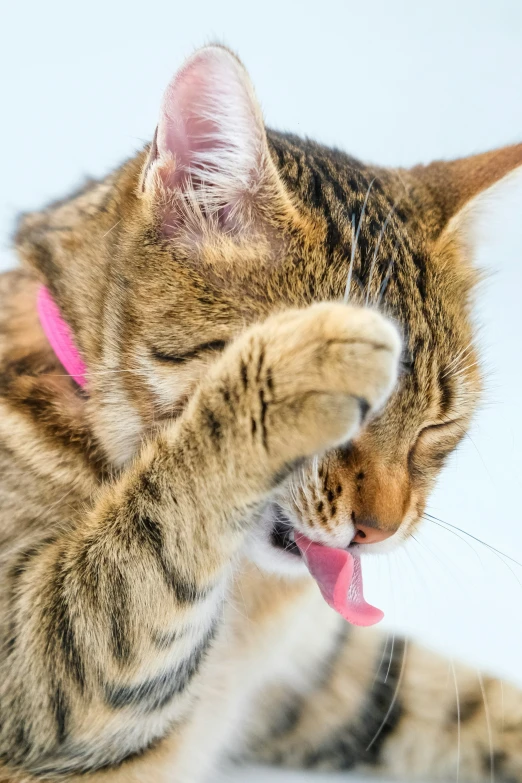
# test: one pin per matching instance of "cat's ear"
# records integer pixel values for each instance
(456, 192)
(210, 150)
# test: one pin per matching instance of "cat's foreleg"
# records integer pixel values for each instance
(113, 619)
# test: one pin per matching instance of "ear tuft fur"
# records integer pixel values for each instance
(210, 149)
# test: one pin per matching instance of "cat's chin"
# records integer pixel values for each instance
(271, 546)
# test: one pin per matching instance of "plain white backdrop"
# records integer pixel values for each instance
(394, 83)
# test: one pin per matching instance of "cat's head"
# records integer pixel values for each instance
(218, 223)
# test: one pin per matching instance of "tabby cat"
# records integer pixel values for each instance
(279, 358)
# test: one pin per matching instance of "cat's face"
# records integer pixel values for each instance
(218, 224)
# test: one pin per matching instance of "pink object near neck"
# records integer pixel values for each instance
(60, 336)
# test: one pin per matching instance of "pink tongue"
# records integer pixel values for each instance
(339, 576)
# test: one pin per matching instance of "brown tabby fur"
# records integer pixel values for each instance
(138, 642)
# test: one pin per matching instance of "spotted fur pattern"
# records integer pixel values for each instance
(203, 281)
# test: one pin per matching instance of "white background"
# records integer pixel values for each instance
(391, 82)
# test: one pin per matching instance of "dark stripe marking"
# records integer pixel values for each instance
(120, 621)
(60, 628)
(262, 418)
(260, 364)
(163, 640)
(19, 568)
(60, 708)
(244, 374)
(213, 424)
(150, 534)
(446, 393)
(156, 693)
(361, 742)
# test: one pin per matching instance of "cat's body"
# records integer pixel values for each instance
(139, 640)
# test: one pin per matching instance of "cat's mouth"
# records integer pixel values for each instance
(337, 571)
(282, 535)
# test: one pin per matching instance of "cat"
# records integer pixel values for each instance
(276, 356)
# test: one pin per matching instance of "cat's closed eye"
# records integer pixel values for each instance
(213, 346)
(442, 426)
(434, 442)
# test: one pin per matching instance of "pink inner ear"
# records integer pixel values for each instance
(210, 130)
(182, 132)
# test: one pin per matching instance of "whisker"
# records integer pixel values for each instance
(458, 718)
(459, 357)
(462, 370)
(468, 436)
(441, 561)
(478, 540)
(112, 229)
(352, 258)
(440, 524)
(377, 246)
(394, 699)
(494, 551)
(92, 373)
(384, 650)
(391, 659)
(355, 240)
(488, 724)
(363, 210)
(387, 278)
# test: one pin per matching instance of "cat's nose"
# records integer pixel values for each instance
(369, 534)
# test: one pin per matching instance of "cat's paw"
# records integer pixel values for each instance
(309, 379)
(327, 369)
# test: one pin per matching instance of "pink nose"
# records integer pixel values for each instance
(365, 534)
